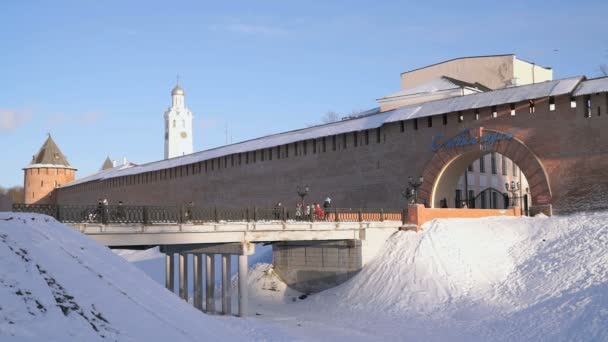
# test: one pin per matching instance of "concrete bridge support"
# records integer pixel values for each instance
(169, 272)
(204, 298)
(183, 276)
(197, 265)
(226, 284)
(210, 278)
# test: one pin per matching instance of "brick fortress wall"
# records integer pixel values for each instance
(371, 169)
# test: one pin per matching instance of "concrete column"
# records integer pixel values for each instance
(226, 297)
(183, 276)
(198, 281)
(243, 285)
(169, 272)
(210, 275)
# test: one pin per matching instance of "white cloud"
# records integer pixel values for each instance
(257, 29)
(11, 119)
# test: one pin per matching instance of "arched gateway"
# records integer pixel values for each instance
(452, 156)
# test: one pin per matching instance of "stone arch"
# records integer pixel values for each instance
(451, 158)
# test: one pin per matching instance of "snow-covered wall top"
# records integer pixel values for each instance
(370, 120)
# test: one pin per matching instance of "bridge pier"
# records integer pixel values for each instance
(183, 276)
(210, 275)
(198, 280)
(226, 297)
(169, 272)
(243, 267)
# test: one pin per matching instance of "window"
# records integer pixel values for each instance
(295, 148)
(504, 165)
(263, 155)
(286, 151)
(402, 124)
(471, 199)
(278, 152)
(239, 158)
(429, 121)
(416, 124)
(333, 143)
(494, 112)
(532, 109)
(366, 136)
(254, 156)
(552, 104)
(305, 146)
(482, 199)
(587, 106)
(246, 159)
(458, 199)
(270, 153)
(494, 200)
(173, 123)
(493, 162)
(476, 114)
(512, 106)
(445, 119)
(356, 139)
(314, 146)
(515, 171)
(324, 145)
(344, 141)
(470, 168)
(41, 184)
(482, 164)
(378, 135)
(232, 159)
(460, 117)
(572, 102)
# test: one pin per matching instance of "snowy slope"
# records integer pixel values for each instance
(58, 285)
(491, 279)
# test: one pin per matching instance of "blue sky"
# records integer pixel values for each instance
(98, 74)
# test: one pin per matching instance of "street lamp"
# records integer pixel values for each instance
(302, 192)
(411, 192)
(513, 188)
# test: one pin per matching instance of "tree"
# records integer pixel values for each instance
(604, 69)
(330, 117)
(10, 196)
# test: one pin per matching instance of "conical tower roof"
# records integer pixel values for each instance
(107, 164)
(50, 155)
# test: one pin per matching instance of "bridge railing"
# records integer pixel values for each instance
(124, 214)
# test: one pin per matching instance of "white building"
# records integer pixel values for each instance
(178, 126)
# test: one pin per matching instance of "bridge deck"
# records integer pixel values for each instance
(218, 232)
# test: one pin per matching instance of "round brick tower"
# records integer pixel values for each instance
(47, 170)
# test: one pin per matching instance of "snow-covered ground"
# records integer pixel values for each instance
(58, 285)
(498, 279)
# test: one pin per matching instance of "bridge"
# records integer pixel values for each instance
(206, 232)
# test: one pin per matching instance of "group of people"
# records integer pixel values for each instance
(101, 213)
(313, 211)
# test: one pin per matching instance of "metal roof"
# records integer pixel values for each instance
(596, 85)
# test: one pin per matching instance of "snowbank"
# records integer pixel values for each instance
(58, 285)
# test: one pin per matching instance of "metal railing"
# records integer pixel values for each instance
(123, 214)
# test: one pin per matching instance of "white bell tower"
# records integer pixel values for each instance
(178, 125)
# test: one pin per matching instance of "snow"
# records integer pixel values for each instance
(58, 285)
(498, 279)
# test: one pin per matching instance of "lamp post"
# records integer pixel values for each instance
(513, 188)
(411, 192)
(302, 192)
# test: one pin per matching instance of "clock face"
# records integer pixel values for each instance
(184, 135)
